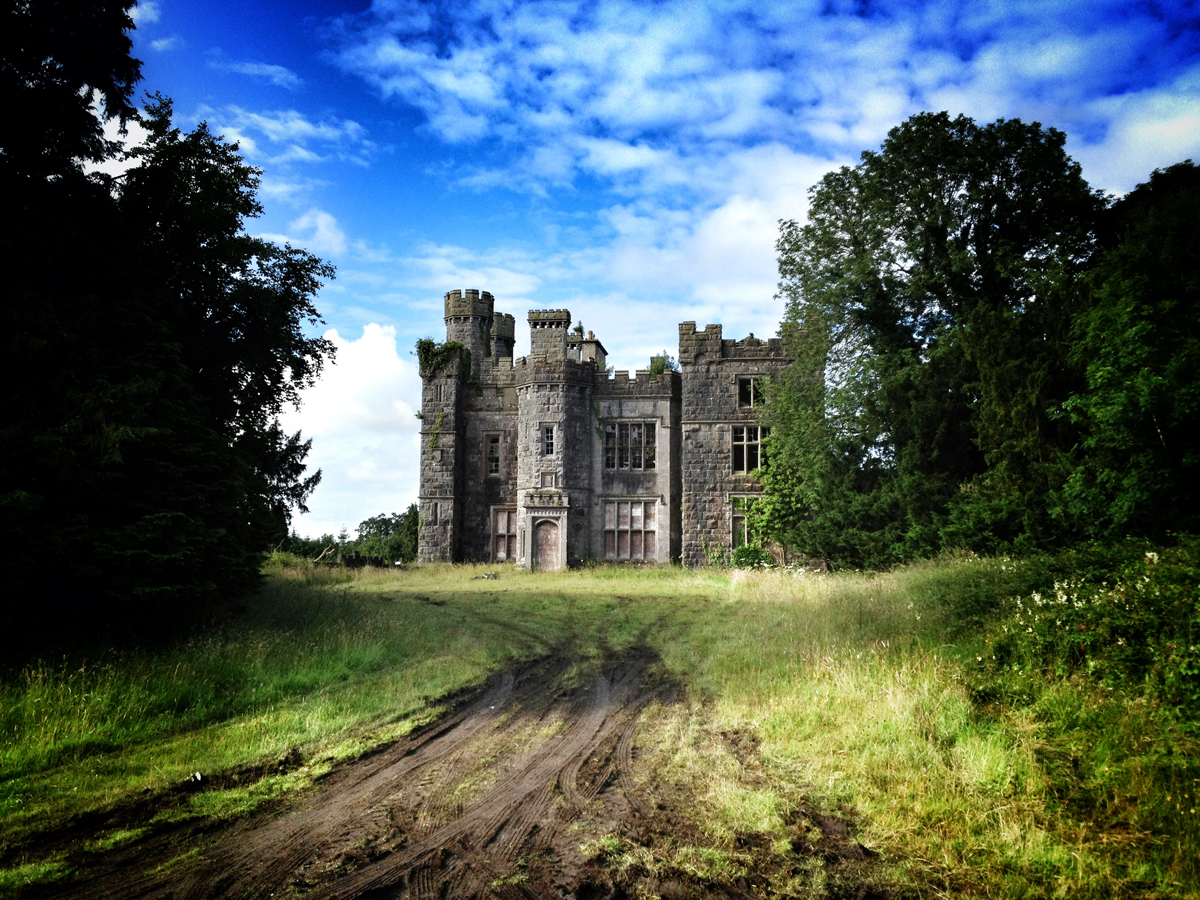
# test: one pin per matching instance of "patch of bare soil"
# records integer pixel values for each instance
(527, 790)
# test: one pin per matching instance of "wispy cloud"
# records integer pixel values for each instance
(316, 230)
(287, 136)
(168, 43)
(280, 76)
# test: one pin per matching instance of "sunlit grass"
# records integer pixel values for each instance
(856, 689)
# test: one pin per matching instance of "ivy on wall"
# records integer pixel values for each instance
(433, 356)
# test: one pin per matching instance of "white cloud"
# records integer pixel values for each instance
(280, 76)
(1147, 130)
(289, 136)
(145, 12)
(134, 135)
(361, 417)
(317, 231)
(164, 44)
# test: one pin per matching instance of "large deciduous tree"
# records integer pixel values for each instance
(934, 281)
(1138, 341)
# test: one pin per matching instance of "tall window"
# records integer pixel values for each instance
(747, 447)
(493, 454)
(630, 445)
(750, 392)
(741, 507)
(547, 440)
(630, 531)
(504, 534)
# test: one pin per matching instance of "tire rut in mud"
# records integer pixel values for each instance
(478, 804)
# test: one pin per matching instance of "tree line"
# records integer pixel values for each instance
(989, 353)
(150, 342)
(380, 540)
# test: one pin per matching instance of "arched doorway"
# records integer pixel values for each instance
(545, 542)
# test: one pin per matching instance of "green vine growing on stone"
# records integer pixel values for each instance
(433, 357)
(437, 429)
(599, 421)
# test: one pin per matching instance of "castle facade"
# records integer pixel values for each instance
(546, 461)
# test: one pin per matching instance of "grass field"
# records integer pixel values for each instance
(867, 694)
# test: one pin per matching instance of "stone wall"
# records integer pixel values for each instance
(712, 368)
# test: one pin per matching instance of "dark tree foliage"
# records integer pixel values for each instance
(930, 289)
(1138, 340)
(391, 538)
(54, 56)
(150, 343)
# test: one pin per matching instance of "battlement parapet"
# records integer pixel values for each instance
(503, 326)
(693, 343)
(549, 318)
(538, 370)
(470, 303)
(752, 348)
(639, 384)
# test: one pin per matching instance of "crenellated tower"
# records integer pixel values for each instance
(469, 320)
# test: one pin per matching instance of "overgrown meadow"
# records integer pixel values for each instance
(986, 736)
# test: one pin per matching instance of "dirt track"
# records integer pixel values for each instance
(494, 800)
(477, 805)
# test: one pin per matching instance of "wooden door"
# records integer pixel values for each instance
(545, 538)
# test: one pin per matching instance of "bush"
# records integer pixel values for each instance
(1128, 616)
(748, 556)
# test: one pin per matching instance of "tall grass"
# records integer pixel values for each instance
(861, 693)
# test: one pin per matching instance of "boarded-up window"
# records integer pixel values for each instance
(630, 529)
(504, 534)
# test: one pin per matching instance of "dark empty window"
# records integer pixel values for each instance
(749, 392)
(630, 445)
(747, 447)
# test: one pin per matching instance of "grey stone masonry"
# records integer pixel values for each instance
(719, 397)
(546, 462)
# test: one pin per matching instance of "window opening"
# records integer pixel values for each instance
(748, 454)
(504, 535)
(630, 531)
(630, 445)
(433, 513)
(750, 392)
(493, 454)
(547, 440)
(742, 533)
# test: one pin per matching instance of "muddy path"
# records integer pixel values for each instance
(500, 798)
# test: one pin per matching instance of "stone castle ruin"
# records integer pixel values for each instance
(547, 461)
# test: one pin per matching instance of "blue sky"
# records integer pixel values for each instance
(628, 161)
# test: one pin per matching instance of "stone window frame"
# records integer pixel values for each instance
(433, 512)
(488, 458)
(622, 451)
(640, 532)
(749, 394)
(738, 509)
(508, 535)
(546, 439)
(749, 447)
